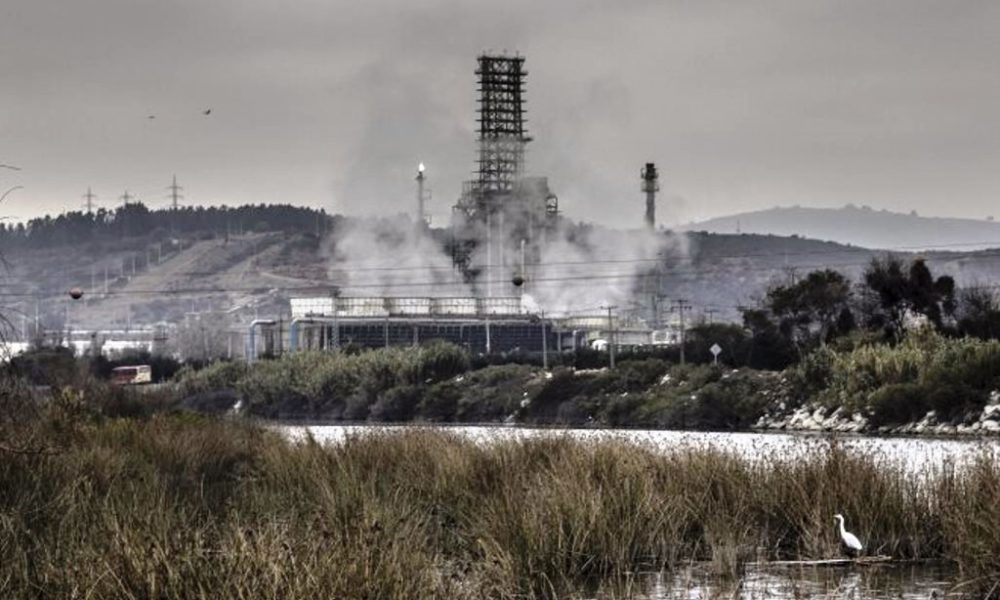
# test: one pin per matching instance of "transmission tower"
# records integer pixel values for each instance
(89, 201)
(175, 195)
(126, 198)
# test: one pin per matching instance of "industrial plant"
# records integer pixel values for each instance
(501, 231)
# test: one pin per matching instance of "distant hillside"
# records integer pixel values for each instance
(141, 267)
(860, 226)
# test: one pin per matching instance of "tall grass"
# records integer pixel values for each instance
(181, 506)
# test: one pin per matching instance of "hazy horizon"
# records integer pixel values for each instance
(332, 105)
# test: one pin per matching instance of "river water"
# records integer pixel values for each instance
(916, 455)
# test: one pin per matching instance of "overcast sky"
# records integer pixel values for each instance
(328, 103)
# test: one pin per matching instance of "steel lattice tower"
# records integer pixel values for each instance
(502, 134)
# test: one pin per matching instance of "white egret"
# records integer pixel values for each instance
(851, 541)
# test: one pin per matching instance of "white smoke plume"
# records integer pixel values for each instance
(391, 257)
(583, 268)
(579, 268)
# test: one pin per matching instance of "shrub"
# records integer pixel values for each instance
(956, 402)
(898, 403)
(397, 404)
(46, 366)
(633, 375)
(495, 393)
(440, 360)
(564, 386)
(440, 402)
(218, 376)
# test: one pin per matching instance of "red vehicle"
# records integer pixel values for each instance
(131, 375)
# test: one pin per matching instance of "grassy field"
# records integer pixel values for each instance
(176, 505)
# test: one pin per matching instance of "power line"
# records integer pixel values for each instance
(674, 272)
(326, 287)
(971, 254)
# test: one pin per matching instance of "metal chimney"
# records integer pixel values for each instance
(421, 216)
(650, 185)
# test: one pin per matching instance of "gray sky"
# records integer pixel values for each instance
(329, 103)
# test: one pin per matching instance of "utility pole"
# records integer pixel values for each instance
(89, 204)
(126, 198)
(611, 335)
(681, 306)
(175, 195)
(545, 340)
(711, 315)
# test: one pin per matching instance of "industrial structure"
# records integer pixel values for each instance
(481, 325)
(500, 225)
(502, 217)
(650, 185)
(421, 213)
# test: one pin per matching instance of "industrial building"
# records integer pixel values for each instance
(481, 325)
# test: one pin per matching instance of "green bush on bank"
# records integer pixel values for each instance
(899, 384)
(348, 385)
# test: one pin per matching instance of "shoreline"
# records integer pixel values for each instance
(966, 436)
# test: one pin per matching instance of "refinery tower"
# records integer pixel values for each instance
(502, 217)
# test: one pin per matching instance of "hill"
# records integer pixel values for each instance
(244, 263)
(861, 226)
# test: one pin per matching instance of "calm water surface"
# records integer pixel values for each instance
(914, 454)
(860, 583)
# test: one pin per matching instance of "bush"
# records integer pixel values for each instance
(397, 404)
(218, 376)
(898, 403)
(495, 393)
(730, 402)
(957, 402)
(46, 366)
(440, 402)
(565, 385)
(439, 361)
(959, 373)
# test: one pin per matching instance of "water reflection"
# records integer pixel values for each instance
(914, 455)
(847, 583)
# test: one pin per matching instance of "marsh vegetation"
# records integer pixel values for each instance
(179, 505)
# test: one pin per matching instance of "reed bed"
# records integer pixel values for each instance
(181, 506)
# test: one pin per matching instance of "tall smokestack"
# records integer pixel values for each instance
(421, 216)
(650, 185)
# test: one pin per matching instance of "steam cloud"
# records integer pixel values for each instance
(580, 267)
(583, 268)
(391, 257)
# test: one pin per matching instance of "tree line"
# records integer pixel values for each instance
(804, 313)
(136, 220)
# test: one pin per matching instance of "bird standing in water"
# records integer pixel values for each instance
(850, 541)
